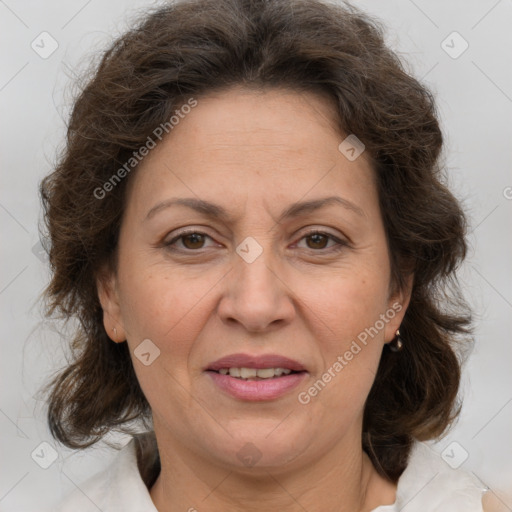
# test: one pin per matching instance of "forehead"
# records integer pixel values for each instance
(272, 144)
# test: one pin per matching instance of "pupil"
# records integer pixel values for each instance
(197, 237)
(315, 240)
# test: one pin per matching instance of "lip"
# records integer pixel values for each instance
(256, 390)
(262, 361)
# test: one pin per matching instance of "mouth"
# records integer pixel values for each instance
(255, 373)
(256, 378)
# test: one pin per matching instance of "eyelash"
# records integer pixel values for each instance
(341, 244)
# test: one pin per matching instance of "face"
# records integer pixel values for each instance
(249, 276)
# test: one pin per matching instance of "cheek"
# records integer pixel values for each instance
(347, 313)
(163, 305)
(349, 303)
(168, 310)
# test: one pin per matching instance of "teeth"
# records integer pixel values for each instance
(266, 373)
(247, 373)
(236, 372)
(252, 373)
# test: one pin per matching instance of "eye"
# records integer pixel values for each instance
(191, 240)
(319, 239)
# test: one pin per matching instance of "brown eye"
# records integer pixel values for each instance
(187, 241)
(319, 241)
(193, 240)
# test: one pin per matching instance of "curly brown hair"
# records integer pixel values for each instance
(191, 48)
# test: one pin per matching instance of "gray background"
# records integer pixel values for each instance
(474, 94)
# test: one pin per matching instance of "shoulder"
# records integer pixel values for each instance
(429, 483)
(119, 487)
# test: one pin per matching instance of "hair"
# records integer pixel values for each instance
(188, 49)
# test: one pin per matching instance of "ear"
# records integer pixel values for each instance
(398, 303)
(106, 284)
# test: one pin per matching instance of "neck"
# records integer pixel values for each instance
(344, 480)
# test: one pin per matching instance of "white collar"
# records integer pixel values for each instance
(428, 484)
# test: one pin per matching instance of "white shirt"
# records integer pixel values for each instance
(428, 484)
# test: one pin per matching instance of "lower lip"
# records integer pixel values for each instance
(257, 390)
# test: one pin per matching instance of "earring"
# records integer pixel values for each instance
(396, 344)
(115, 333)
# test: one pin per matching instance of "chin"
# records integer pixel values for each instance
(262, 445)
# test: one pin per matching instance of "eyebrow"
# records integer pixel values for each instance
(218, 212)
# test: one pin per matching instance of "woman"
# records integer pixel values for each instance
(251, 225)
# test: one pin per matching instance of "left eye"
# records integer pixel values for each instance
(321, 238)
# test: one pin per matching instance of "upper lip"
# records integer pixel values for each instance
(262, 361)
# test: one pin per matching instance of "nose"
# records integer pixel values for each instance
(257, 294)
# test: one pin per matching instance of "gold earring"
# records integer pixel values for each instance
(396, 344)
(115, 333)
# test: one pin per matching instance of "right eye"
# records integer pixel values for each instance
(191, 240)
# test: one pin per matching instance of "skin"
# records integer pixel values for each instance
(255, 153)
